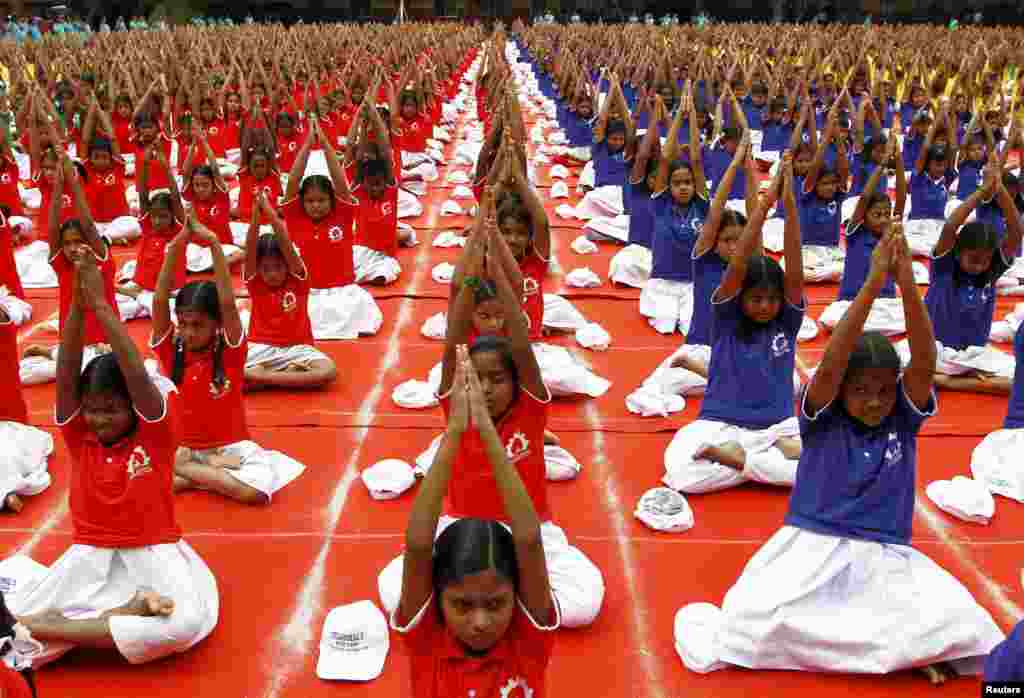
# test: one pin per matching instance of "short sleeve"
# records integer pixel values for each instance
(854, 229)
(945, 264)
(421, 632)
(726, 313)
(810, 421)
(910, 415)
(792, 316)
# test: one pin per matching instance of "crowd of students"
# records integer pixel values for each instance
(291, 155)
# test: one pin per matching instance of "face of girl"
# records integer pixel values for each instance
(316, 203)
(124, 109)
(259, 165)
(207, 112)
(479, 609)
(108, 415)
(826, 187)
(584, 108)
(728, 237)
(409, 109)
(147, 132)
(917, 98)
(375, 185)
(516, 234)
(489, 317)
(101, 159)
(202, 186)
(496, 382)
(976, 261)
(802, 163)
(616, 142)
(48, 167)
(667, 96)
(869, 394)
(285, 127)
(878, 153)
(196, 329)
(682, 185)
(273, 270)
(878, 218)
(936, 168)
(975, 152)
(161, 217)
(73, 245)
(761, 305)
(759, 99)
(358, 94)
(234, 103)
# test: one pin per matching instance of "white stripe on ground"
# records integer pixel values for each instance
(1011, 612)
(48, 526)
(606, 476)
(295, 639)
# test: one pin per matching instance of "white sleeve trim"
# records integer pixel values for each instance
(166, 387)
(546, 628)
(932, 399)
(59, 422)
(154, 343)
(241, 338)
(412, 624)
(803, 406)
(543, 401)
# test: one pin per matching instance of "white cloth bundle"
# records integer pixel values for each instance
(963, 498)
(581, 245)
(583, 278)
(593, 336)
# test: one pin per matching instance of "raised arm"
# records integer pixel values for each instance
(749, 244)
(793, 280)
(299, 167)
(709, 231)
(920, 373)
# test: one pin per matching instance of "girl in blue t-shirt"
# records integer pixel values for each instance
(839, 588)
(966, 264)
(929, 185)
(820, 206)
(745, 430)
(680, 206)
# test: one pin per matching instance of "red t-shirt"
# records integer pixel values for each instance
(157, 178)
(12, 402)
(67, 204)
(280, 315)
(288, 149)
(105, 192)
(8, 267)
(211, 417)
(94, 333)
(184, 143)
(534, 269)
(247, 188)
(152, 252)
(441, 667)
(232, 128)
(415, 133)
(9, 194)
(122, 132)
(472, 491)
(214, 213)
(122, 495)
(377, 220)
(13, 684)
(326, 245)
(216, 136)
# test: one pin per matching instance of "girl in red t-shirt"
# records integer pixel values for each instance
(120, 427)
(281, 351)
(258, 173)
(476, 606)
(518, 401)
(207, 194)
(205, 357)
(105, 186)
(23, 469)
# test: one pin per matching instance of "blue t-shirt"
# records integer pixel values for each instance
(1015, 410)
(819, 218)
(708, 270)
(962, 315)
(676, 229)
(928, 197)
(750, 383)
(857, 482)
(860, 244)
(780, 206)
(752, 112)
(862, 171)
(610, 169)
(991, 213)
(911, 149)
(777, 135)
(716, 162)
(641, 213)
(970, 178)
(1006, 661)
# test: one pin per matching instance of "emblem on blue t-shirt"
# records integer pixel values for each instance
(894, 450)
(780, 344)
(832, 208)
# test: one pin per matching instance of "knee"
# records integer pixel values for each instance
(326, 372)
(184, 625)
(252, 496)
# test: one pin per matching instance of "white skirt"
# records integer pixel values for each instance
(26, 225)
(764, 462)
(773, 234)
(809, 602)
(121, 228)
(87, 581)
(996, 463)
(18, 311)
(667, 305)
(631, 266)
(576, 582)
(371, 264)
(239, 233)
(343, 312)
(822, 263)
(560, 314)
(603, 202)
(922, 235)
(276, 358)
(886, 316)
(200, 259)
(953, 362)
(33, 264)
(262, 469)
(23, 460)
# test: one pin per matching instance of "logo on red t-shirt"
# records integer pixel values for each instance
(217, 393)
(289, 301)
(214, 211)
(110, 180)
(293, 146)
(335, 233)
(516, 688)
(530, 286)
(138, 463)
(5, 178)
(518, 447)
(213, 131)
(385, 208)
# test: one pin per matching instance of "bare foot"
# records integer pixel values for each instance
(938, 674)
(182, 484)
(14, 503)
(295, 367)
(550, 439)
(729, 454)
(147, 603)
(37, 350)
(943, 382)
(217, 460)
(790, 447)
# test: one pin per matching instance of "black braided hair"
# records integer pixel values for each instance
(200, 296)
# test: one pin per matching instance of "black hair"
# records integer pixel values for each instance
(974, 236)
(503, 348)
(731, 133)
(202, 171)
(778, 104)
(267, 245)
(762, 273)
(876, 141)
(316, 181)
(7, 623)
(470, 546)
(161, 200)
(68, 225)
(487, 290)
(935, 153)
(615, 126)
(374, 167)
(257, 151)
(731, 219)
(144, 118)
(103, 375)
(872, 350)
(514, 209)
(100, 143)
(759, 88)
(202, 297)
